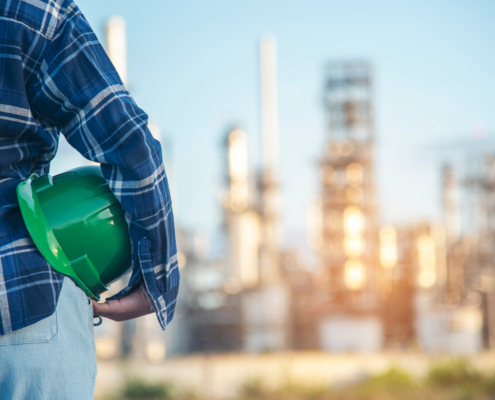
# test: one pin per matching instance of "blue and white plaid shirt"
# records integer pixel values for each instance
(55, 77)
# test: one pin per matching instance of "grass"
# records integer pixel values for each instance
(139, 389)
(453, 380)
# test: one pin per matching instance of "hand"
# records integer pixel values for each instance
(134, 305)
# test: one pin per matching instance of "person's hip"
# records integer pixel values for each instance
(54, 358)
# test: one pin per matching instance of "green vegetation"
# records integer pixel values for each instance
(462, 380)
(139, 389)
(393, 380)
(256, 390)
(452, 380)
(392, 384)
(455, 380)
(453, 373)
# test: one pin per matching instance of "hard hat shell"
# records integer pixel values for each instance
(78, 226)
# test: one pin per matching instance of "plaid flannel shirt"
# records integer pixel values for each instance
(55, 77)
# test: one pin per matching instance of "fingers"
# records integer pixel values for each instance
(131, 306)
(102, 309)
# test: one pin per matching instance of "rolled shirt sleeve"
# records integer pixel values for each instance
(78, 92)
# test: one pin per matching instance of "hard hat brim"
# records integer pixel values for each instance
(46, 242)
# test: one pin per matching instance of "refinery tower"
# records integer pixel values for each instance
(349, 232)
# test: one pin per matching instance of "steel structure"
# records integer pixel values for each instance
(269, 196)
(242, 222)
(254, 315)
(349, 245)
(477, 249)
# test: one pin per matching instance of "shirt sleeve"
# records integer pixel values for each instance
(78, 91)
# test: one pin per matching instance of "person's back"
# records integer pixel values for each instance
(55, 77)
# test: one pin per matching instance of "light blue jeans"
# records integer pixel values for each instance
(54, 359)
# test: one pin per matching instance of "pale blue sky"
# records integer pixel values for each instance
(193, 68)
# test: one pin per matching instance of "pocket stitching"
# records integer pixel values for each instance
(21, 342)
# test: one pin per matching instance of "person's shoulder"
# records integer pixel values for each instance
(41, 16)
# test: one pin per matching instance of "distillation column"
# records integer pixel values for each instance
(350, 237)
(242, 220)
(269, 190)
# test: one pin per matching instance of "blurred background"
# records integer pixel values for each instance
(332, 169)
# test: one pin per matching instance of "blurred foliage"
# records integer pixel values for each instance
(256, 390)
(453, 373)
(452, 380)
(140, 389)
(393, 380)
(462, 379)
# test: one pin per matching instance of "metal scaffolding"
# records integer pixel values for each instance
(347, 189)
(474, 257)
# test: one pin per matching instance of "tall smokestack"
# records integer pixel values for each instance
(116, 45)
(269, 105)
(117, 52)
(270, 202)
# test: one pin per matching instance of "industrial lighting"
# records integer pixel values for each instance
(426, 279)
(353, 241)
(248, 260)
(388, 247)
(354, 246)
(238, 158)
(353, 221)
(355, 274)
(427, 275)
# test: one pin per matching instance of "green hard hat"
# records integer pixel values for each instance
(78, 226)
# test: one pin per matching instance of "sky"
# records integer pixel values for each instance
(192, 66)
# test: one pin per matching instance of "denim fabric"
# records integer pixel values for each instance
(54, 359)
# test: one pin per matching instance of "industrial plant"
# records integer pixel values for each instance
(428, 286)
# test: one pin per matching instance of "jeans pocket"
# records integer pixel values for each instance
(39, 332)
